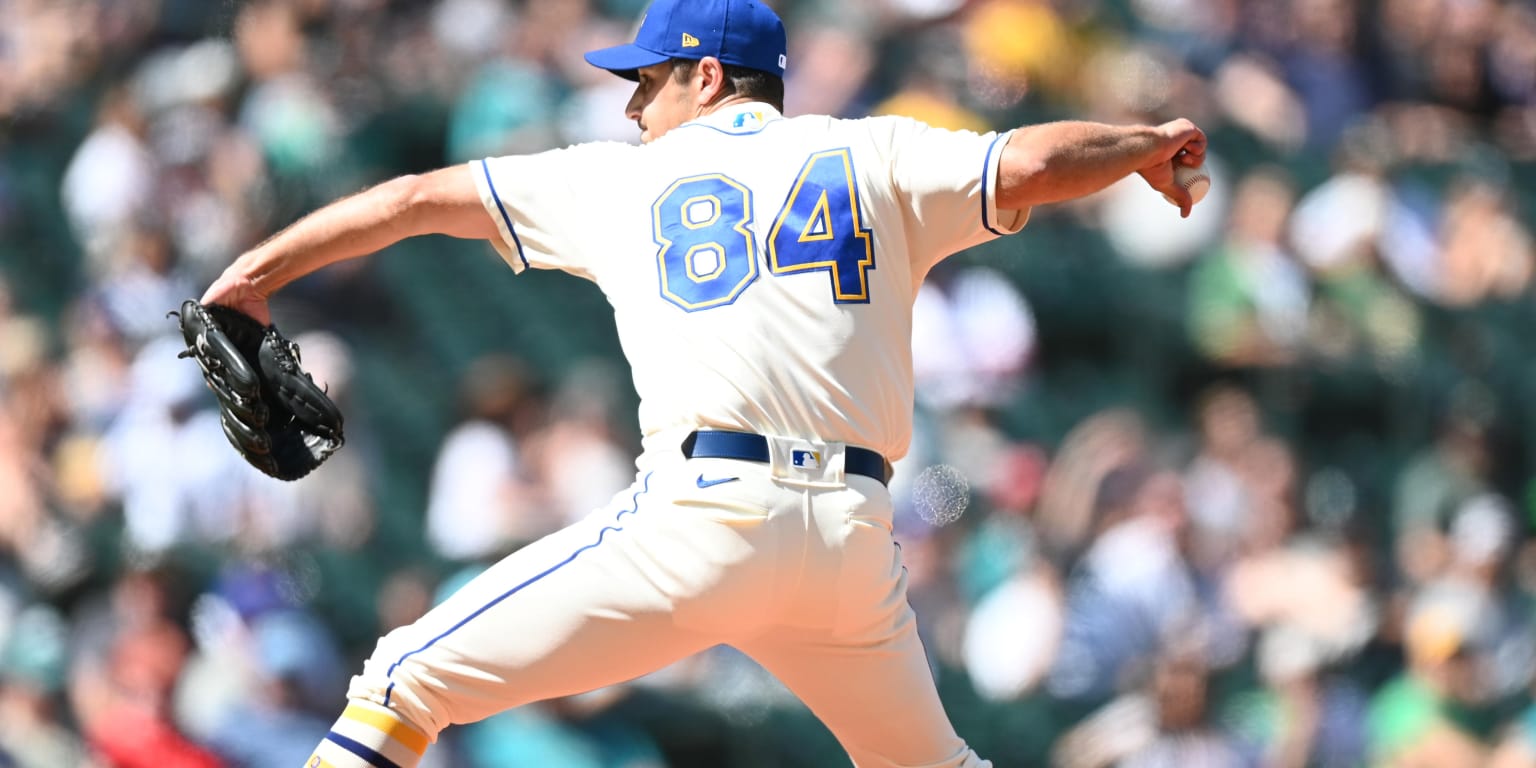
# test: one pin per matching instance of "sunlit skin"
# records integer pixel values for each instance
(661, 103)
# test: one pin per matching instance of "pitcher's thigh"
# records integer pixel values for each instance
(564, 615)
(878, 698)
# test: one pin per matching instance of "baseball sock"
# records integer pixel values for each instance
(369, 736)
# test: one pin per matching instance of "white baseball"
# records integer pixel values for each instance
(940, 494)
(1195, 179)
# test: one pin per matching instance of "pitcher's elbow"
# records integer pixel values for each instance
(446, 202)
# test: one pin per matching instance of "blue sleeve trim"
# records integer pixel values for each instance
(986, 182)
(485, 166)
(633, 507)
(371, 757)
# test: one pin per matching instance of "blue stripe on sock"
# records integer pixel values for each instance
(374, 759)
(634, 505)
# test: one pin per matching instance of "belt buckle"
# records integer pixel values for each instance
(807, 462)
(804, 458)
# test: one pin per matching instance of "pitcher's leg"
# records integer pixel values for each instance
(574, 611)
(876, 695)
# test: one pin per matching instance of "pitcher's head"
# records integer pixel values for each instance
(691, 56)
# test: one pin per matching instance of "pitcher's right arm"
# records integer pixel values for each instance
(1052, 162)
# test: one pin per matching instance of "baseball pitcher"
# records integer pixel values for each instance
(762, 271)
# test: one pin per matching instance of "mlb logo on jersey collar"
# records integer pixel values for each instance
(740, 119)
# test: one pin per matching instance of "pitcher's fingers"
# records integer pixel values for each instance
(1183, 199)
(1192, 153)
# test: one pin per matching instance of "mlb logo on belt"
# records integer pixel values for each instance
(805, 459)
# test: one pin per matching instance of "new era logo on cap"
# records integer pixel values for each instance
(743, 33)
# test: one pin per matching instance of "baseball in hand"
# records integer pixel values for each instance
(1196, 180)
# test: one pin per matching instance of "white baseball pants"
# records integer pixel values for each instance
(796, 568)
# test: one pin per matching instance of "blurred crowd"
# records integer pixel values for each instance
(1248, 489)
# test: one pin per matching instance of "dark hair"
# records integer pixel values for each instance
(754, 84)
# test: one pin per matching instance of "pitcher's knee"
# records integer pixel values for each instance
(965, 757)
(404, 688)
(972, 760)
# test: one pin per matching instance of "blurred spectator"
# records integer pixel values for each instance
(505, 110)
(1485, 252)
(481, 500)
(1444, 473)
(287, 112)
(1517, 748)
(1252, 94)
(33, 726)
(124, 673)
(1481, 541)
(1412, 720)
(1216, 493)
(579, 458)
(1012, 634)
(1248, 298)
(110, 182)
(1132, 591)
(1016, 47)
(144, 285)
(1307, 598)
(1306, 714)
(1468, 646)
(832, 62)
(1322, 64)
(929, 93)
(276, 722)
(95, 372)
(1166, 723)
(1340, 230)
(1069, 503)
(972, 338)
(166, 458)
(21, 510)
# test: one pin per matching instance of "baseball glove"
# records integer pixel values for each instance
(272, 411)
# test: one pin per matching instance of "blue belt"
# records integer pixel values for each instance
(720, 444)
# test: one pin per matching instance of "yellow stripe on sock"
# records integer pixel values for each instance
(393, 727)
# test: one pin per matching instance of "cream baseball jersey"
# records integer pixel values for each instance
(762, 269)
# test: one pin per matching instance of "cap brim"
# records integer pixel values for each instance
(624, 60)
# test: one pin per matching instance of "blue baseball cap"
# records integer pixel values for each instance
(743, 33)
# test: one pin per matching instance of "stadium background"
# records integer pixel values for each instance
(1253, 488)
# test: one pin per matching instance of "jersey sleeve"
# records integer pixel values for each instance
(545, 205)
(947, 182)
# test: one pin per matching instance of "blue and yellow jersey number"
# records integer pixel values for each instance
(708, 249)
